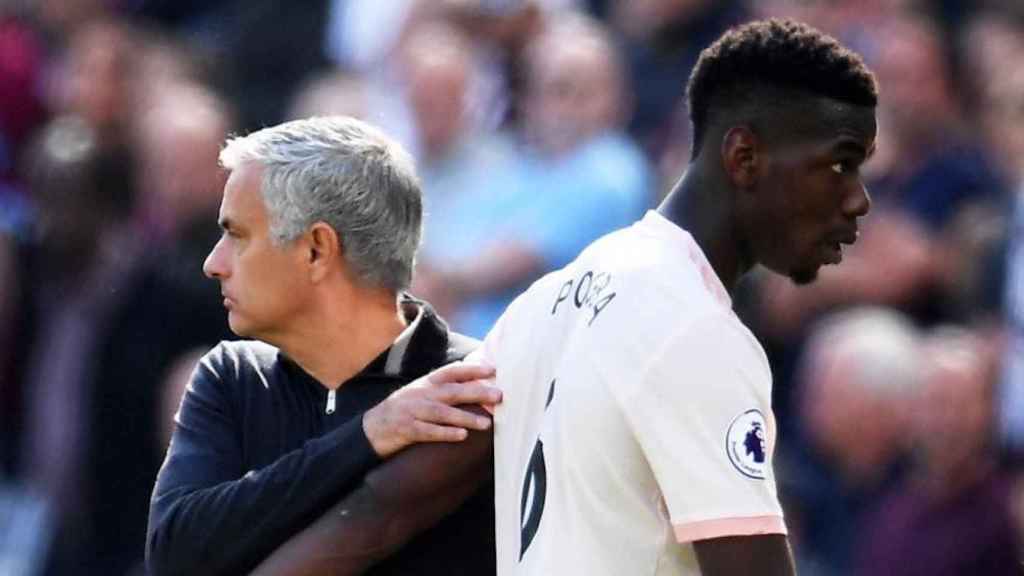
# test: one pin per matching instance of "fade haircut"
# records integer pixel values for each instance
(741, 69)
(348, 174)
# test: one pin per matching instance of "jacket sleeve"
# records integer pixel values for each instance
(402, 497)
(208, 515)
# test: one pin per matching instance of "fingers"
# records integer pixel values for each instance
(427, 432)
(474, 392)
(459, 372)
(435, 413)
(425, 411)
(395, 424)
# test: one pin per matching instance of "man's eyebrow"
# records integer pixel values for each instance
(854, 147)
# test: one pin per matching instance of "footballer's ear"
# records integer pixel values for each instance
(740, 156)
(322, 249)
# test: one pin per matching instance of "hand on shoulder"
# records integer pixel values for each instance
(426, 410)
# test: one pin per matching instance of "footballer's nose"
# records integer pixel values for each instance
(858, 202)
(216, 265)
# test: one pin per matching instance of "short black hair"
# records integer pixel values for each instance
(775, 53)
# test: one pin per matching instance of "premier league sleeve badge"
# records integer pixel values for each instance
(745, 444)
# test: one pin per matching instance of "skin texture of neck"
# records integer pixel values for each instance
(702, 204)
(346, 328)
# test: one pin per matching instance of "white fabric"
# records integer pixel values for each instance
(651, 369)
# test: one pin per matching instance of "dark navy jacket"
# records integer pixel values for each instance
(258, 454)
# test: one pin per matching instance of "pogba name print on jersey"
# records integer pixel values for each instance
(589, 292)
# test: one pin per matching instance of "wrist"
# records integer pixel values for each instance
(373, 437)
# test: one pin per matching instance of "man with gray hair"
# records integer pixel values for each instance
(857, 379)
(321, 221)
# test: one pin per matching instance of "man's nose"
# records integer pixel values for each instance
(858, 202)
(214, 265)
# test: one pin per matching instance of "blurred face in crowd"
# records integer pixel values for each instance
(643, 17)
(262, 283)
(913, 77)
(180, 140)
(438, 79)
(62, 15)
(993, 46)
(98, 84)
(807, 192)
(838, 407)
(574, 91)
(955, 413)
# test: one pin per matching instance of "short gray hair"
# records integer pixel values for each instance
(348, 174)
(882, 346)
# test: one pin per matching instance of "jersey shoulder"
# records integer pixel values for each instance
(659, 275)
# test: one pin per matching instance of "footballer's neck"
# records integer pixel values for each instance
(351, 328)
(701, 204)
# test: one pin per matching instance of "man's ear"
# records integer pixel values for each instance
(740, 156)
(323, 250)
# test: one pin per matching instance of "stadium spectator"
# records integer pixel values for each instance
(856, 382)
(71, 281)
(332, 93)
(661, 42)
(937, 166)
(578, 177)
(954, 515)
(97, 79)
(164, 307)
(458, 158)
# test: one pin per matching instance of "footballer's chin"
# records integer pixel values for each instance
(803, 276)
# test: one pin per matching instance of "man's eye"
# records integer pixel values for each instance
(839, 167)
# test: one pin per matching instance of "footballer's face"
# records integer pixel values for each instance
(810, 192)
(261, 282)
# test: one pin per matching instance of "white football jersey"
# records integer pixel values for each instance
(636, 416)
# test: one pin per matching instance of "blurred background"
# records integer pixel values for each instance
(538, 125)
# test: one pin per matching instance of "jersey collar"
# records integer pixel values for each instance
(712, 282)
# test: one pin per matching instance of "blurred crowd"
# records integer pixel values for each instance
(537, 126)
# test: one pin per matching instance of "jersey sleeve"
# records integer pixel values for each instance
(702, 416)
(487, 353)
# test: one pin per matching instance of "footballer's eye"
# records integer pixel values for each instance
(838, 167)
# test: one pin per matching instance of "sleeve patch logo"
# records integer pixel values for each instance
(745, 444)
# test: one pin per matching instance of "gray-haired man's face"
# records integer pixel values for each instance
(263, 284)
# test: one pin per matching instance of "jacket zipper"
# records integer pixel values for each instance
(330, 402)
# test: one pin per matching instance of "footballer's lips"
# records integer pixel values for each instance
(834, 245)
(228, 301)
